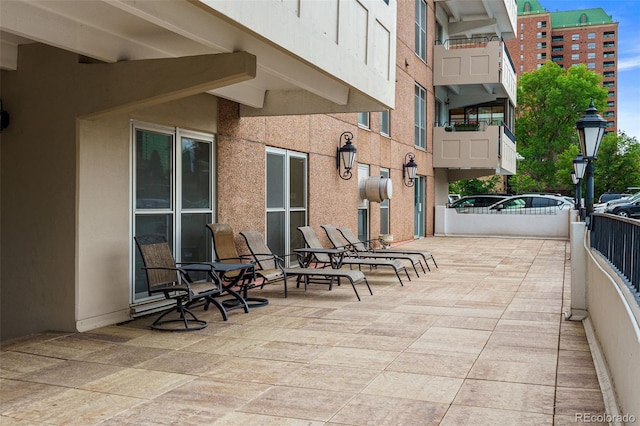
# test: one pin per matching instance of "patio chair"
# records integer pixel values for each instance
(271, 267)
(172, 279)
(312, 241)
(361, 252)
(368, 246)
(225, 251)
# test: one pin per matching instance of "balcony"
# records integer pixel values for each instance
(476, 149)
(475, 70)
(481, 17)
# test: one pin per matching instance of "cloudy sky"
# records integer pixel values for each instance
(627, 14)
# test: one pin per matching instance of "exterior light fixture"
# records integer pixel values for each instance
(579, 166)
(590, 129)
(348, 154)
(409, 169)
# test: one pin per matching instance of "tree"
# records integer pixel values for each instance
(618, 165)
(550, 101)
(474, 186)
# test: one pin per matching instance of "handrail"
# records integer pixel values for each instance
(618, 240)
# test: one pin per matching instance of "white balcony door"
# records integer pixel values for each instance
(286, 201)
(173, 184)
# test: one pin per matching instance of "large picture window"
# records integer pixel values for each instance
(173, 183)
(421, 29)
(420, 116)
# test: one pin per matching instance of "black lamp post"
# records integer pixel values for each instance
(590, 132)
(579, 166)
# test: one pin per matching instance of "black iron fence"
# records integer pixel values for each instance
(618, 240)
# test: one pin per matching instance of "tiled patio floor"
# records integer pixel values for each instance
(479, 341)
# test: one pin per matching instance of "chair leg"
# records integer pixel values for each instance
(218, 305)
(183, 312)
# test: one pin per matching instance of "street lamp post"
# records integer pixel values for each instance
(579, 166)
(590, 132)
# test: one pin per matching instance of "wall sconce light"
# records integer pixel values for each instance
(409, 169)
(348, 154)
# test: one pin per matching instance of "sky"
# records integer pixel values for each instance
(627, 14)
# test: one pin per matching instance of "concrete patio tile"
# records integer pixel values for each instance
(17, 394)
(521, 339)
(71, 374)
(442, 340)
(480, 416)
(257, 370)
(222, 345)
(299, 403)
(471, 323)
(152, 413)
(74, 407)
(330, 377)
(507, 396)
(519, 354)
(571, 342)
(16, 364)
(517, 372)
(137, 383)
(123, 355)
(166, 340)
(357, 358)
(571, 401)
(65, 347)
(286, 351)
(372, 341)
(446, 365)
(243, 419)
(527, 326)
(385, 411)
(414, 386)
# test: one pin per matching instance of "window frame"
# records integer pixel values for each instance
(421, 30)
(420, 116)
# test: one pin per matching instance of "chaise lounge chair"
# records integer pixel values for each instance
(312, 241)
(271, 267)
(366, 245)
(359, 251)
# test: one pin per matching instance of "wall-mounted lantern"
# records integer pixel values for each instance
(348, 154)
(409, 169)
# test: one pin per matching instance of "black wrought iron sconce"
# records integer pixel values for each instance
(348, 154)
(409, 169)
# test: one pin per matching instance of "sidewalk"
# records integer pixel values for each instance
(481, 340)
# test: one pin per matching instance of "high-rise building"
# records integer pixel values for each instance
(586, 36)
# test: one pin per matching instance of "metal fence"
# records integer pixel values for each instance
(618, 240)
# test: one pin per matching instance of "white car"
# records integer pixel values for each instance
(532, 204)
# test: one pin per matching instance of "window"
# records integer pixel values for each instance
(608, 84)
(538, 66)
(173, 193)
(521, 68)
(557, 48)
(363, 119)
(575, 37)
(542, 45)
(591, 46)
(557, 39)
(521, 58)
(521, 47)
(384, 208)
(609, 73)
(591, 55)
(607, 44)
(610, 123)
(575, 46)
(611, 103)
(557, 58)
(609, 55)
(542, 35)
(609, 34)
(611, 94)
(363, 206)
(521, 26)
(609, 64)
(591, 65)
(609, 114)
(575, 56)
(542, 24)
(286, 199)
(421, 29)
(591, 36)
(521, 36)
(384, 123)
(541, 56)
(420, 116)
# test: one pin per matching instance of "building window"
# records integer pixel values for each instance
(609, 114)
(591, 65)
(521, 47)
(521, 36)
(591, 46)
(542, 34)
(557, 39)
(609, 55)
(611, 103)
(521, 26)
(557, 58)
(609, 74)
(173, 194)
(611, 94)
(542, 24)
(575, 46)
(591, 36)
(591, 55)
(575, 37)
(609, 44)
(609, 64)
(575, 56)
(609, 34)
(363, 119)
(521, 58)
(521, 68)
(542, 45)
(541, 56)
(608, 84)
(610, 123)
(421, 29)
(538, 66)
(557, 48)
(384, 123)
(420, 116)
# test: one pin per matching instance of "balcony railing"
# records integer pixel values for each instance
(618, 240)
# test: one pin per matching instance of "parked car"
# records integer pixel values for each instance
(610, 205)
(453, 198)
(629, 209)
(473, 203)
(532, 204)
(600, 206)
